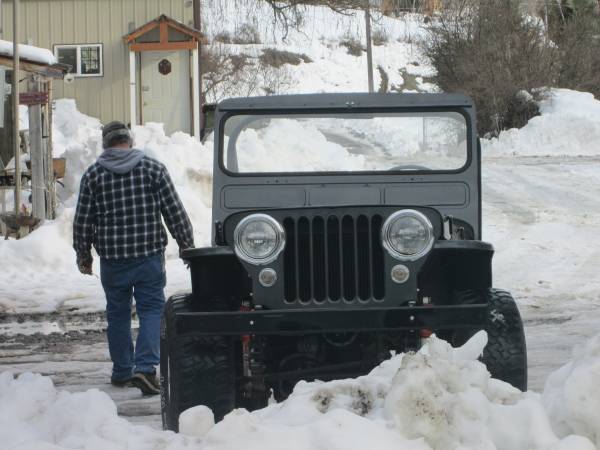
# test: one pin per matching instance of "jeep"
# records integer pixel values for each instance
(346, 227)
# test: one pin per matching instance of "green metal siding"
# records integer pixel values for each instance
(45, 23)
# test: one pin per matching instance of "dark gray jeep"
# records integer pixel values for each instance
(346, 226)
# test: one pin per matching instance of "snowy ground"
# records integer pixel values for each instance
(440, 398)
(541, 190)
(541, 211)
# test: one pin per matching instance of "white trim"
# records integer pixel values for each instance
(77, 72)
(195, 95)
(132, 90)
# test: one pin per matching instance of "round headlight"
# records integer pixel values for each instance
(407, 235)
(258, 239)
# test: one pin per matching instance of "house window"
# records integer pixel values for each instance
(85, 59)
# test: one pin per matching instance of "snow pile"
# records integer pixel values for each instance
(572, 396)
(439, 398)
(272, 150)
(569, 125)
(28, 52)
(34, 415)
(47, 257)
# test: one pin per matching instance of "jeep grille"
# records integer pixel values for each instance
(333, 258)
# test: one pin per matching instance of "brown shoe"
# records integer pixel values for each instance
(146, 382)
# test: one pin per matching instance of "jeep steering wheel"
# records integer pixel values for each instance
(410, 167)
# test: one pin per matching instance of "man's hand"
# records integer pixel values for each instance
(186, 262)
(85, 269)
(84, 264)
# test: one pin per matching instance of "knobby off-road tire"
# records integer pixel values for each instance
(194, 371)
(505, 355)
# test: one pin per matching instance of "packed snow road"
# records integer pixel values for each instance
(541, 214)
(71, 349)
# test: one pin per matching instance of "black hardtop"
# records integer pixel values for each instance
(347, 100)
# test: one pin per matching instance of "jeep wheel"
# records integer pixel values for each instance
(505, 355)
(196, 370)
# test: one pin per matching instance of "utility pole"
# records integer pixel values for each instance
(369, 45)
(15, 92)
(198, 26)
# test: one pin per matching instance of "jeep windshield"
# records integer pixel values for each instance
(346, 142)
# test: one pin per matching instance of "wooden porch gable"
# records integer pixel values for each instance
(164, 24)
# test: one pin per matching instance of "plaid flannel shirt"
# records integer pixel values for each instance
(121, 214)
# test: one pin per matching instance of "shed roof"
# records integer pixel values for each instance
(29, 53)
(32, 59)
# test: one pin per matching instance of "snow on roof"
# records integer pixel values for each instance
(29, 52)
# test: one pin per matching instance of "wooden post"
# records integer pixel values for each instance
(15, 90)
(47, 134)
(3, 210)
(51, 200)
(369, 46)
(38, 179)
(7, 149)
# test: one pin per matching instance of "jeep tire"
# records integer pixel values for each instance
(194, 370)
(505, 354)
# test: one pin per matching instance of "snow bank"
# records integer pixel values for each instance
(272, 150)
(42, 275)
(572, 397)
(28, 52)
(439, 398)
(569, 125)
(34, 415)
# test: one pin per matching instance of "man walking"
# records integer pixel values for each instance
(121, 199)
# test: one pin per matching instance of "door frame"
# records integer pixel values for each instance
(164, 23)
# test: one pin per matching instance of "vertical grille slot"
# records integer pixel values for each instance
(348, 258)
(304, 262)
(378, 265)
(319, 266)
(289, 261)
(333, 253)
(363, 243)
(328, 259)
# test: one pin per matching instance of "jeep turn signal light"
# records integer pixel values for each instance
(267, 277)
(400, 273)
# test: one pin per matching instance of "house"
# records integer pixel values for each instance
(131, 60)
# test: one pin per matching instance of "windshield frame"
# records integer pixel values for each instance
(341, 111)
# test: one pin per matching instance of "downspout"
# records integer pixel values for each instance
(198, 65)
(132, 90)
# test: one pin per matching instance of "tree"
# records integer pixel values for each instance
(487, 49)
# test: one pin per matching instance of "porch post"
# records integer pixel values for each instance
(132, 90)
(195, 94)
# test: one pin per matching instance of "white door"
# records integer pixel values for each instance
(166, 89)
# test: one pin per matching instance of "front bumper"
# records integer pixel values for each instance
(317, 321)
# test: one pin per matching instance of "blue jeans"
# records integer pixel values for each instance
(143, 278)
